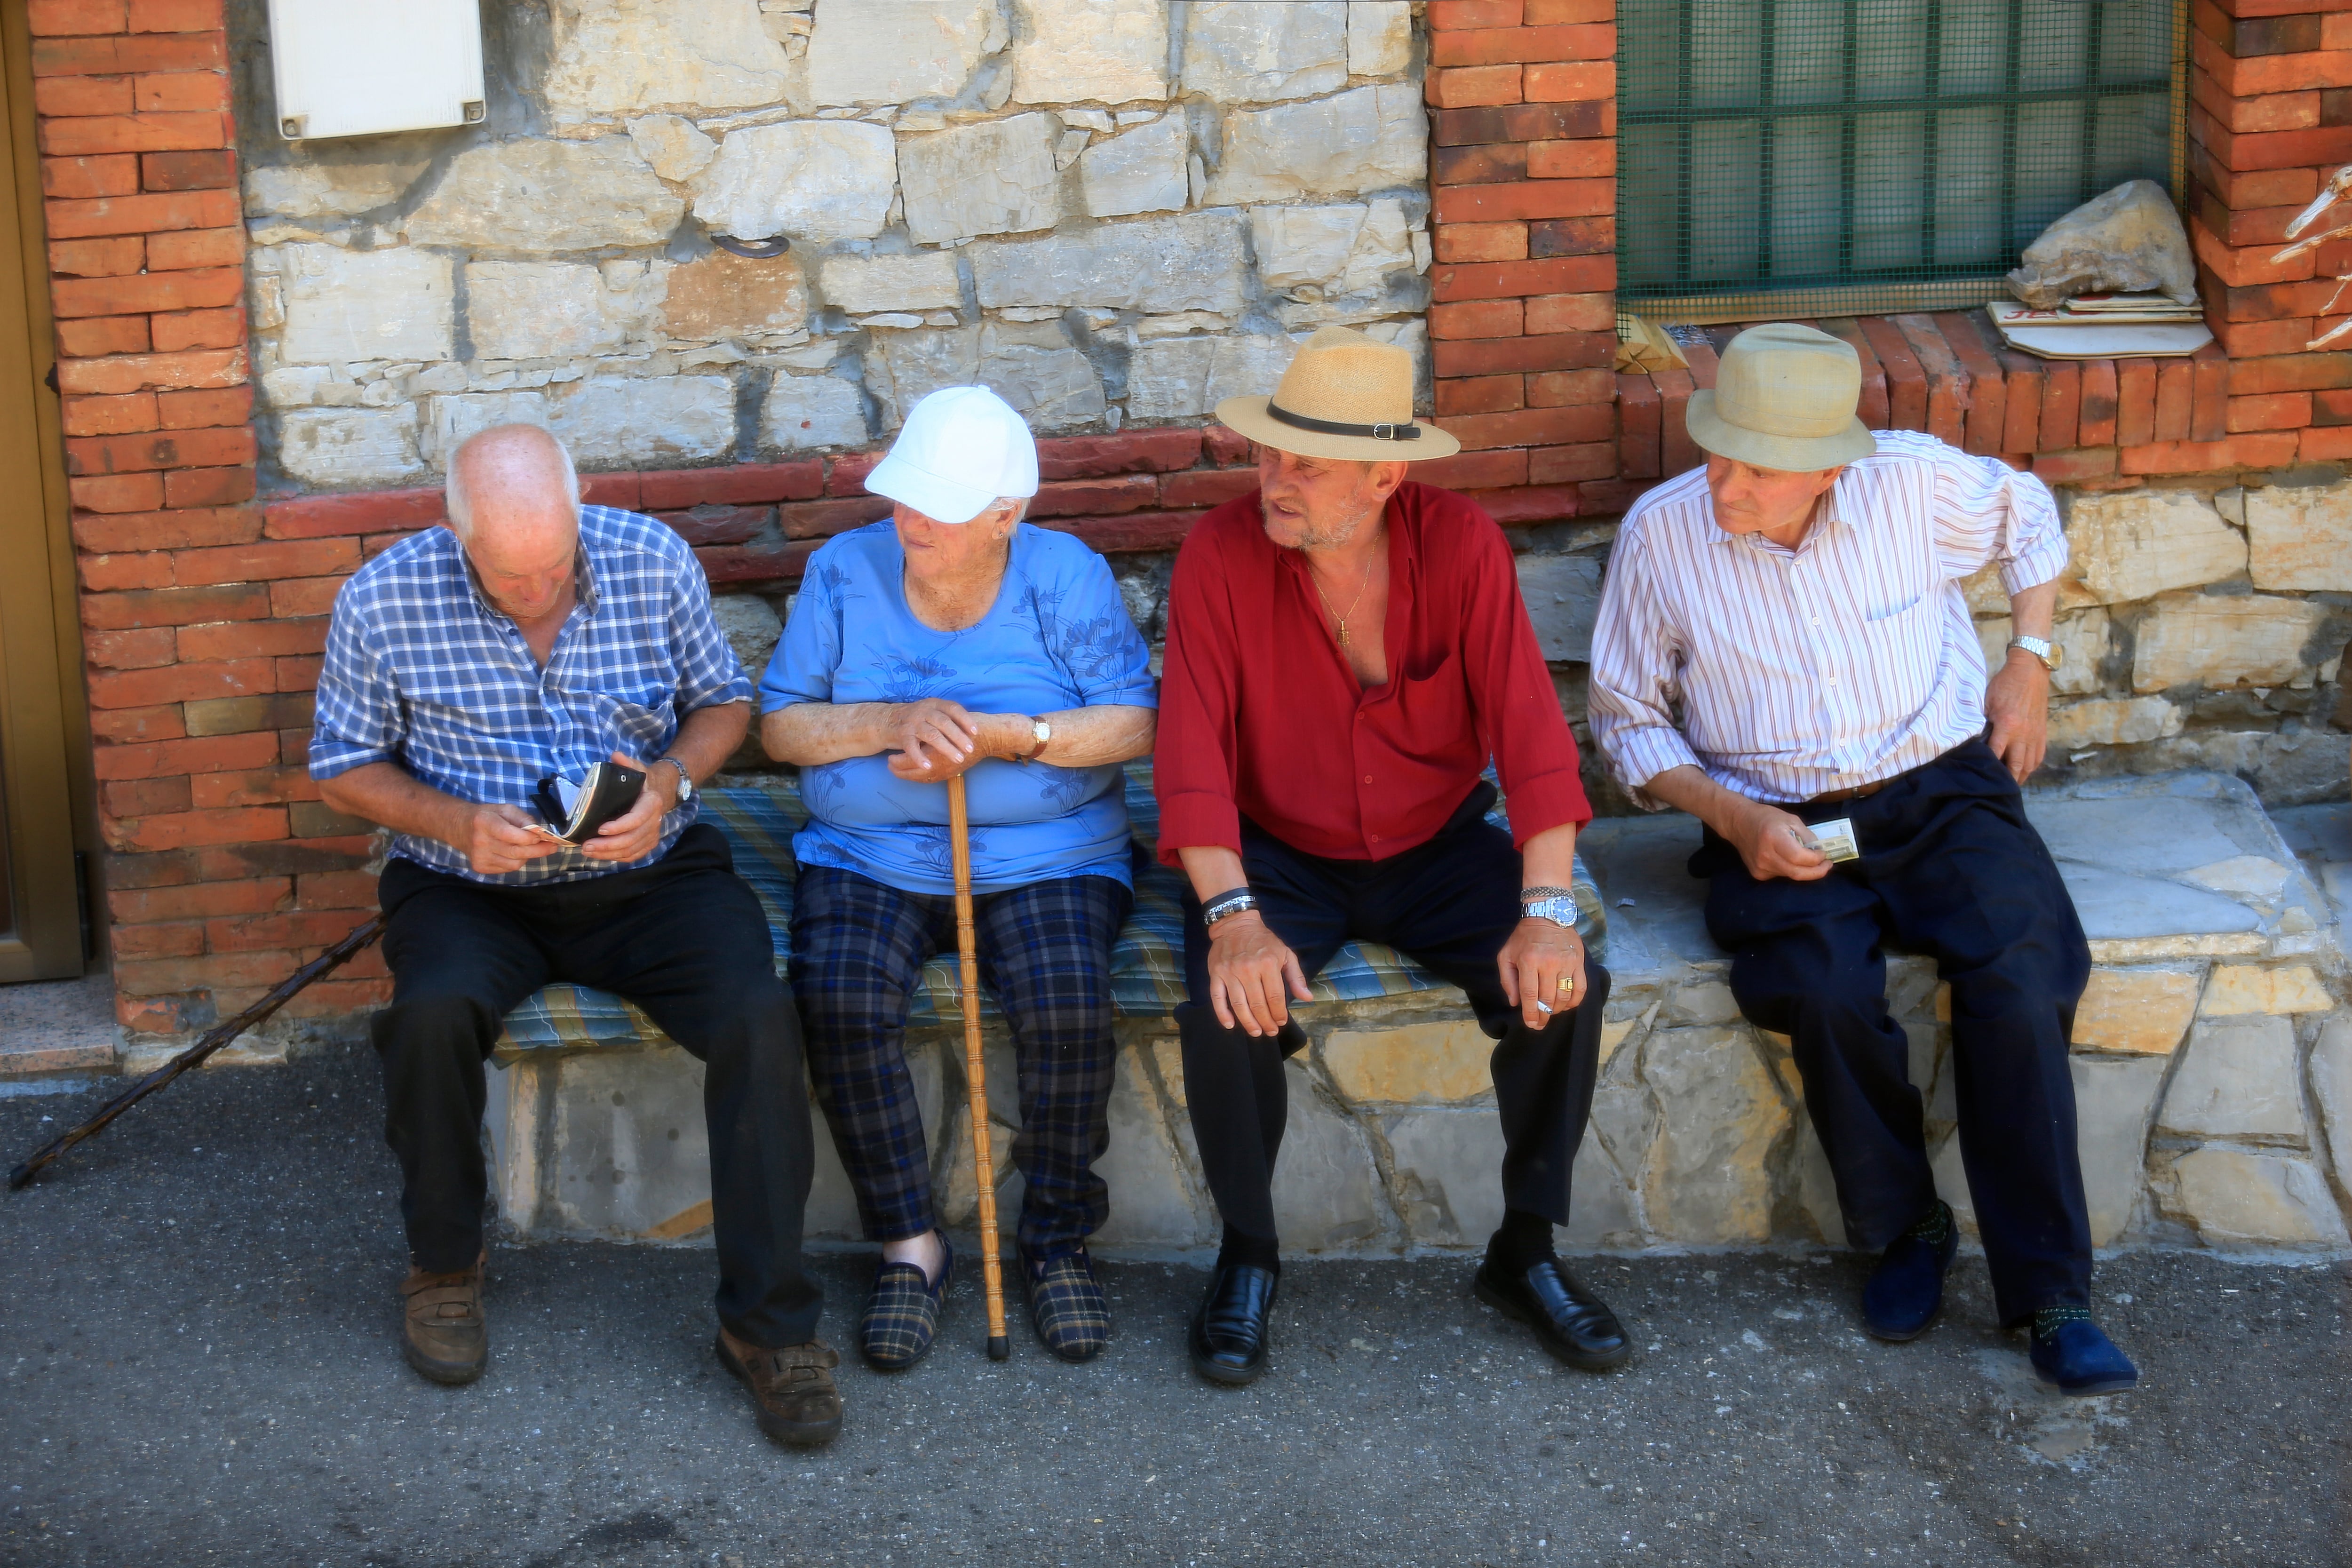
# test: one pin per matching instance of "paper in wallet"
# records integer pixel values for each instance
(575, 811)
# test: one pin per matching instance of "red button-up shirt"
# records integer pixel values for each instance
(1260, 715)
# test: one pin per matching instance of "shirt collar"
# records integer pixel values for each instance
(1827, 514)
(583, 576)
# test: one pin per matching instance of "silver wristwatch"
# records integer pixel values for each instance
(1549, 904)
(685, 780)
(2042, 648)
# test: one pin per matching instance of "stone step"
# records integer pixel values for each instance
(49, 1028)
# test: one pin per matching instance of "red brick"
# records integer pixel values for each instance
(153, 372)
(1523, 122)
(1468, 471)
(1988, 394)
(1566, 465)
(175, 15)
(85, 179)
(1207, 486)
(1574, 313)
(181, 92)
(145, 797)
(1609, 498)
(1478, 165)
(2272, 73)
(675, 490)
(199, 410)
(2134, 402)
(619, 490)
(2332, 444)
(2331, 405)
(2268, 449)
(1137, 532)
(1466, 87)
(822, 519)
(1571, 388)
(1478, 319)
(2261, 340)
(1568, 83)
(132, 54)
(110, 415)
(303, 597)
(2060, 468)
(175, 606)
(2265, 112)
(2175, 391)
(147, 214)
(253, 786)
(335, 890)
(2269, 411)
(62, 95)
(1496, 356)
(1480, 394)
(1089, 498)
(176, 940)
(164, 757)
(2293, 372)
(2277, 301)
(267, 561)
(2209, 395)
(1498, 46)
(167, 530)
(2020, 427)
(138, 132)
(118, 492)
(1481, 242)
(1572, 237)
(1532, 427)
(2245, 188)
(50, 18)
(1676, 451)
(208, 486)
(756, 563)
(1563, 12)
(301, 929)
(1523, 505)
(2240, 268)
(97, 336)
(1227, 449)
(252, 896)
(172, 449)
(250, 639)
(136, 726)
(1637, 427)
(134, 569)
(1591, 160)
(1448, 16)
(713, 524)
(195, 247)
(189, 828)
(315, 517)
(1529, 199)
(113, 257)
(2096, 426)
(145, 648)
(1948, 384)
(198, 289)
(187, 171)
(1701, 358)
(225, 862)
(183, 683)
(1086, 456)
(186, 330)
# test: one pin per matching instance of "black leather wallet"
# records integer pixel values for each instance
(574, 811)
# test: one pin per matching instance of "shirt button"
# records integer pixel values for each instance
(1817, 620)
(1367, 778)
(1832, 680)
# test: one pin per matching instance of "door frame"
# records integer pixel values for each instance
(48, 793)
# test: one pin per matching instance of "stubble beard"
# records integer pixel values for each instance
(1330, 536)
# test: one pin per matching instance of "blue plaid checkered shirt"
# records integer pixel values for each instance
(420, 670)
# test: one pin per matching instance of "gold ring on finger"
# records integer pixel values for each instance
(1567, 983)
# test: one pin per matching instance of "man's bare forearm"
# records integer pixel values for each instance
(389, 795)
(1549, 859)
(708, 737)
(1687, 788)
(2032, 611)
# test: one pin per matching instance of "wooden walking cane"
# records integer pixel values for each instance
(975, 1071)
(211, 1040)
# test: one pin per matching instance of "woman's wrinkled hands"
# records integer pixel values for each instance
(933, 741)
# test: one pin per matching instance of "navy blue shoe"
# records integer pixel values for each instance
(1907, 1290)
(2075, 1356)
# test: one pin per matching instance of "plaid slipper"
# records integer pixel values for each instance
(1067, 1306)
(902, 1313)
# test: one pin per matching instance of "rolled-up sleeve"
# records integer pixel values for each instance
(1194, 766)
(802, 668)
(358, 719)
(1636, 658)
(709, 673)
(1518, 708)
(1985, 510)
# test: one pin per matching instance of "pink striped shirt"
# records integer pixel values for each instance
(1795, 672)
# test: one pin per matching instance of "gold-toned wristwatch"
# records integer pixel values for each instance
(2042, 648)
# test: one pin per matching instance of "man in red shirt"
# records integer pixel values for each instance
(1346, 651)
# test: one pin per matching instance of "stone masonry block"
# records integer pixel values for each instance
(2241, 988)
(1247, 53)
(1720, 1115)
(2331, 1090)
(1162, 265)
(2135, 544)
(350, 447)
(2301, 536)
(806, 412)
(997, 177)
(1326, 1192)
(625, 56)
(1140, 170)
(890, 51)
(647, 421)
(2112, 1102)
(559, 309)
(2239, 1079)
(2246, 1196)
(2142, 1012)
(1563, 598)
(865, 285)
(535, 197)
(816, 181)
(1081, 51)
(343, 306)
(2220, 640)
(1367, 139)
(1417, 1063)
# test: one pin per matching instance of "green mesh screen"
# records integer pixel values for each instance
(1830, 157)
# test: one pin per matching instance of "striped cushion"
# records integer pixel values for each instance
(759, 816)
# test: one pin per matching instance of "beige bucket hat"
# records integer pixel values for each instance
(1343, 398)
(1784, 398)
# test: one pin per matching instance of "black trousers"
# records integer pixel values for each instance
(686, 940)
(1450, 905)
(1950, 869)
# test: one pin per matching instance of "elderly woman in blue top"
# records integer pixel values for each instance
(954, 640)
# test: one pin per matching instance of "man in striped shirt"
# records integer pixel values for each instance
(1783, 645)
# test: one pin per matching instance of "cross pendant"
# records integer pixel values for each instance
(1343, 634)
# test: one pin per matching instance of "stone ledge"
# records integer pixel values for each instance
(2199, 1126)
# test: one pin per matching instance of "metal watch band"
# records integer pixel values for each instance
(1223, 904)
(685, 780)
(1528, 894)
(2040, 648)
(1560, 911)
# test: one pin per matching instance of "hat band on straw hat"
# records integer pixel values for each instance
(1406, 432)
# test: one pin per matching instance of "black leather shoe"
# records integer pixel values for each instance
(1569, 1321)
(1229, 1331)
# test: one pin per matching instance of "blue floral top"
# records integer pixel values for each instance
(1058, 637)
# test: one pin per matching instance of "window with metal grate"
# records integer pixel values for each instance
(1836, 157)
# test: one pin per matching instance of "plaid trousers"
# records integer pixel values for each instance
(858, 951)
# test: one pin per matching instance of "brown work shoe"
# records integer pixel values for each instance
(792, 1389)
(444, 1335)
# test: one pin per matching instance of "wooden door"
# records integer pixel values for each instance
(44, 729)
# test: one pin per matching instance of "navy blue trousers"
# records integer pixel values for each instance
(1450, 905)
(858, 951)
(683, 938)
(1950, 869)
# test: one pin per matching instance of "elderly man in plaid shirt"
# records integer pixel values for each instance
(531, 636)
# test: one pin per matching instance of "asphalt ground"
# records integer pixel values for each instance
(197, 1336)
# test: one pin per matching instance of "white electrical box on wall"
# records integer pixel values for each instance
(363, 68)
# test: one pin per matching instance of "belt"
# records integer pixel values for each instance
(1830, 798)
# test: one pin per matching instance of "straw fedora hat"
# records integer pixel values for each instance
(1345, 398)
(1784, 398)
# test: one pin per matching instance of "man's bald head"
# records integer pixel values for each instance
(514, 503)
(512, 477)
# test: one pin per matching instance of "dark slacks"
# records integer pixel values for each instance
(1450, 905)
(858, 951)
(1950, 869)
(686, 940)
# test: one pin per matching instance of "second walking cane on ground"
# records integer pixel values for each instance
(974, 1071)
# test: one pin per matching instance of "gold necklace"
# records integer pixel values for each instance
(1369, 561)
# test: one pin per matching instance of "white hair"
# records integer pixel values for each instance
(459, 502)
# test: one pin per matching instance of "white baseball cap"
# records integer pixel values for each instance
(962, 449)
